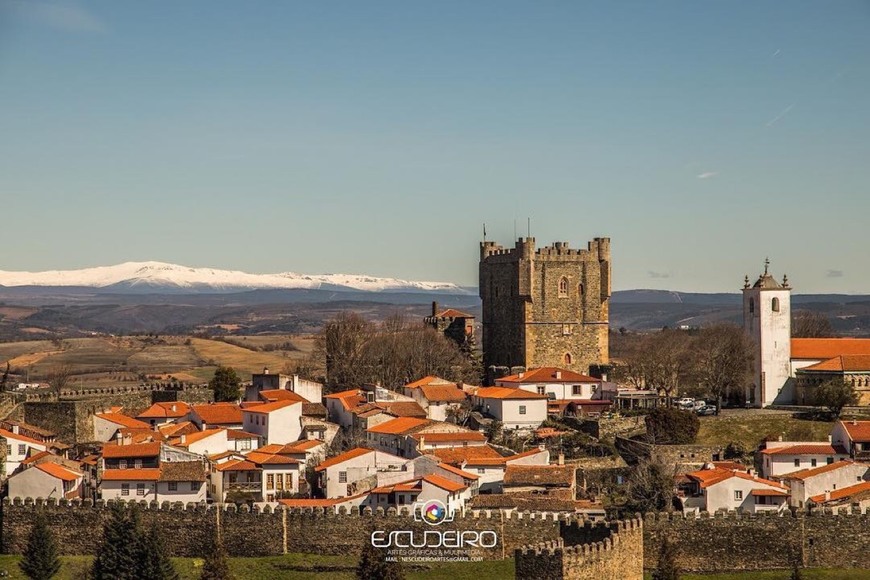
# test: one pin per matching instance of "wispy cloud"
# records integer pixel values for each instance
(834, 274)
(658, 275)
(67, 16)
(707, 174)
(781, 114)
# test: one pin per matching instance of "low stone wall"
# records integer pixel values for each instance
(608, 429)
(601, 551)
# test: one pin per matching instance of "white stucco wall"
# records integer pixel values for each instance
(771, 333)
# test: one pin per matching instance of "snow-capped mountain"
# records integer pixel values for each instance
(156, 276)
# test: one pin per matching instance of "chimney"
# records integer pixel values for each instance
(434, 309)
(183, 439)
(119, 438)
(779, 438)
(520, 375)
(174, 407)
(829, 439)
(558, 375)
(15, 429)
(265, 370)
(827, 495)
(561, 459)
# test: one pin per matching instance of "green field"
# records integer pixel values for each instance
(751, 427)
(291, 567)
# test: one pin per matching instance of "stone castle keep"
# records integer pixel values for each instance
(545, 306)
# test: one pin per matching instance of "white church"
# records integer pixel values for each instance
(784, 365)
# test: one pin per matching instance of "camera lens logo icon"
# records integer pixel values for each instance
(434, 512)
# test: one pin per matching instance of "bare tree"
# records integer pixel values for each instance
(811, 324)
(58, 377)
(723, 360)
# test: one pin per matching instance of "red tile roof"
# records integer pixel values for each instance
(827, 348)
(448, 437)
(236, 465)
(444, 483)
(848, 363)
(353, 453)
(859, 431)
(769, 492)
(219, 413)
(804, 449)
(115, 451)
(349, 399)
(164, 410)
(267, 408)
(506, 393)
(303, 503)
(453, 313)
(152, 474)
(35, 457)
(269, 458)
(457, 471)
(710, 477)
(443, 394)
(553, 475)
(812, 472)
(123, 420)
(10, 435)
(429, 380)
(478, 455)
(198, 436)
(400, 426)
(236, 434)
(548, 375)
(282, 395)
(59, 471)
(843, 492)
(175, 429)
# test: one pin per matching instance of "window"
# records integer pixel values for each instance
(738, 495)
(566, 329)
(401, 499)
(774, 304)
(797, 462)
(9, 450)
(140, 489)
(541, 390)
(125, 489)
(482, 470)
(812, 462)
(342, 477)
(122, 464)
(22, 449)
(577, 390)
(751, 305)
(829, 460)
(194, 486)
(563, 287)
(522, 409)
(567, 358)
(244, 444)
(279, 481)
(270, 481)
(173, 486)
(138, 464)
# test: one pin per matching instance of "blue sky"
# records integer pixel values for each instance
(377, 137)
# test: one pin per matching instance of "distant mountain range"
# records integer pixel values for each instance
(159, 277)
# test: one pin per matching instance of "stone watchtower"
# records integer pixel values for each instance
(767, 321)
(546, 306)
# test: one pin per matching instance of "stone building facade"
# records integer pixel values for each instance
(545, 306)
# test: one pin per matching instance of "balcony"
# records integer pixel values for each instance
(245, 486)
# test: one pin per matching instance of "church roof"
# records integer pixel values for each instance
(767, 282)
(828, 348)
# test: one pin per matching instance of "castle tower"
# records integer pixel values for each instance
(767, 320)
(546, 306)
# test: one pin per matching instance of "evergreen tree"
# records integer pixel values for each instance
(40, 557)
(226, 385)
(373, 565)
(120, 551)
(154, 561)
(667, 565)
(215, 566)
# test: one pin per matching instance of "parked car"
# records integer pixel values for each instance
(699, 405)
(685, 402)
(706, 410)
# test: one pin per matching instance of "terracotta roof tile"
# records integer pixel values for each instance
(814, 471)
(429, 380)
(859, 431)
(478, 455)
(10, 435)
(804, 449)
(165, 410)
(554, 475)
(827, 348)
(453, 313)
(267, 408)
(182, 471)
(506, 393)
(400, 426)
(123, 420)
(548, 375)
(198, 436)
(272, 395)
(843, 492)
(769, 492)
(457, 436)
(219, 413)
(269, 458)
(115, 451)
(353, 453)
(444, 483)
(237, 465)
(443, 394)
(305, 502)
(457, 471)
(59, 471)
(152, 474)
(35, 457)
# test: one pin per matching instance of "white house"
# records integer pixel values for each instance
(339, 406)
(311, 391)
(715, 488)
(420, 490)
(831, 477)
(17, 448)
(277, 422)
(164, 413)
(343, 475)
(226, 415)
(204, 443)
(857, 495)
(555, 383)
(46, 480)
(488, 464)
(783, 457)
(513, 408)
(172, 482)
(854, 437)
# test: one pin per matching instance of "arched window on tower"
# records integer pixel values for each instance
(563, 287)
(752, 306)
(568, 358)
(774, 304)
